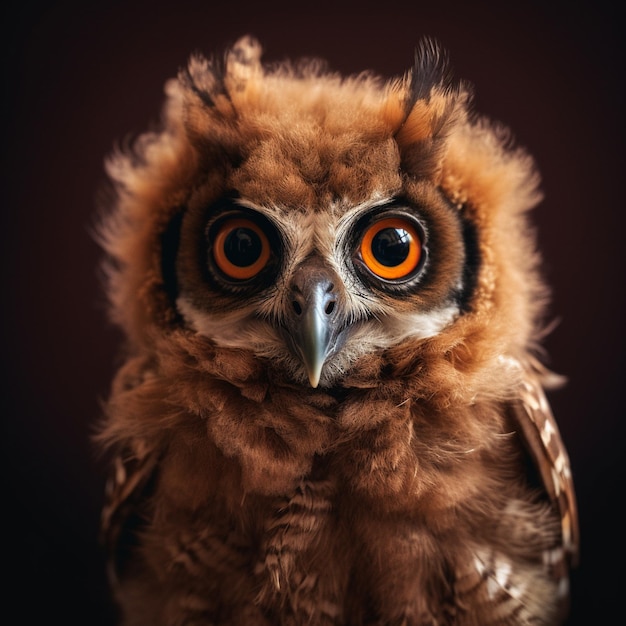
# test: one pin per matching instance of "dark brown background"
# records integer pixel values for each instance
(79, 77)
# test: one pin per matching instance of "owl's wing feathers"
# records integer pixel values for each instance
(491, 580)
(131, 479)
(543, 439)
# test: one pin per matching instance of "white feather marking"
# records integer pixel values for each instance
(479, 565)
(556, 480)
(550, 557)
(237, 329)
(422, 325)
(492, 588)
(546, 433)
(566, 527)
(560, 463)
(517, 591)
(503, 572)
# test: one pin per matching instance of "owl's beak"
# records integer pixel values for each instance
(313, 322)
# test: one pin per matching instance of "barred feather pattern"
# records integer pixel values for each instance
(292, 533)
(491, 582)
(132, 471)
(549, 453)
(201, 560)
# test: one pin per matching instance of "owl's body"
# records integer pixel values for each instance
(331, 392)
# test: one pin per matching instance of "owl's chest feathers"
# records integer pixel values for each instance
(316, 504)
(387, 454)
(317, 495)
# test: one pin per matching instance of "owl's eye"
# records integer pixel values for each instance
(241, 249)
(391, 248)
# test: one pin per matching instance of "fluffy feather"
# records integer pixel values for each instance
(396, 491)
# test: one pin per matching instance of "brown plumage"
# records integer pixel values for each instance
(331, 409)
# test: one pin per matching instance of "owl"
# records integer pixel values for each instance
(330, 406)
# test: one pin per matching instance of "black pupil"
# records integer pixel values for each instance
(390, 246)
(242, 246)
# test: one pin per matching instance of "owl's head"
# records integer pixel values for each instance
(313, 221)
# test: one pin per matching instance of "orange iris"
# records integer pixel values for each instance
(391, 248)
(241, 249)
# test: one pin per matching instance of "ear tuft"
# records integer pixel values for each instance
(430, 70)
(432, 105)
(203, 78)
(243, 61)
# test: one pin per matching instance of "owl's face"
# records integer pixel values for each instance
(311, 220)
(317, 287)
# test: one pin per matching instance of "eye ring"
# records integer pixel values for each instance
(241, 249)
(391, 248)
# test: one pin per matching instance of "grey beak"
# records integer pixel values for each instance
(313, 322)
